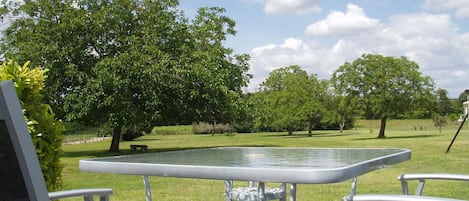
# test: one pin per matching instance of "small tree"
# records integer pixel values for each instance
(46, 132)
(439, 121)
(341, 111)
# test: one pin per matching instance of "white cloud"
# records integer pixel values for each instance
(422, 24)
(299, 7)
(339, 23)
(291, 6)
(433, 41)
(461, 6)
(292, 52)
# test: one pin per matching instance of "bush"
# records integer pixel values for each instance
(244, 127)
(131, 135)
(46, 132)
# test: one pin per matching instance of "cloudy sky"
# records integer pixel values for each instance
(320, 35)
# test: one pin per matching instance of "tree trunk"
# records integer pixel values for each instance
(310, 127)
(290, 131)
(382, 128)
(116, 137)
(342, 125)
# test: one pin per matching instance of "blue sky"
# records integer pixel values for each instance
(320, 35)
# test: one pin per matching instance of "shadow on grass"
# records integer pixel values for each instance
(142, 140)
(316, 134)
(400, 137)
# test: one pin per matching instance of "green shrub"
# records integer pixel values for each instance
(131, 135)
(45, 131)
(244, 127)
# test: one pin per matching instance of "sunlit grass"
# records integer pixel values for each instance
(428, 147)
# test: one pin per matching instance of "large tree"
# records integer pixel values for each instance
(464, 96)
(382, 86)
(131, 64)
(291, 98)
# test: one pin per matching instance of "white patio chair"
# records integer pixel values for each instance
(253, 192)
(20, 172)
(421, 178)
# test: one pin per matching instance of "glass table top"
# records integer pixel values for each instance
(259, 157)
(276, 164)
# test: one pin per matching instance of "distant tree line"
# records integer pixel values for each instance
(371, 87)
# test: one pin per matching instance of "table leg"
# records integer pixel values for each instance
(146, 184)
(353, 190)
(261, 191)
(354, 186)
(228, 188)
(283, 187)
(292, 192)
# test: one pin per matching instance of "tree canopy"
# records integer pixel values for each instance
(382, 86)
(130, 64)
(291, 98)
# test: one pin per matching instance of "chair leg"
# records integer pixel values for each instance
(420, 187)
(104, 198)
(88, 198)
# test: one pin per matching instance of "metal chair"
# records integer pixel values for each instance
(421, 178)
(253, 192)
(20, 172)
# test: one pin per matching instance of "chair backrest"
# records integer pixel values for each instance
(21, 177)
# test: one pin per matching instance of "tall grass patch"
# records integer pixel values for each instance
(173, 130)
(207, 128)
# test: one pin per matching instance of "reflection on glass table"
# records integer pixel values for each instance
(263, 164)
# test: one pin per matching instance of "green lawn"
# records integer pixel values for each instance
(428, 147)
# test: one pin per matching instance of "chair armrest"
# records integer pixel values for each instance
(87, 194)
(427, 176)
(461, 177)
(390, 197)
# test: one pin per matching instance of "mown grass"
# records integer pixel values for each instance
(428, 147)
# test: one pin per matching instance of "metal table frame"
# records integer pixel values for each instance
(262, 164)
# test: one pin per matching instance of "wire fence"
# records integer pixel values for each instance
(83, 139)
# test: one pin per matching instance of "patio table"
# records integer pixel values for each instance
(263, 164)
